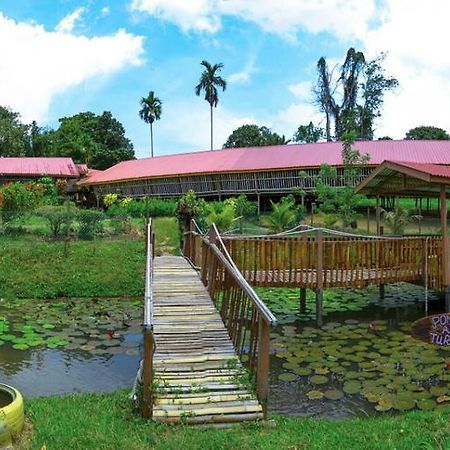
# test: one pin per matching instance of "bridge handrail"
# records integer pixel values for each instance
(149, 339)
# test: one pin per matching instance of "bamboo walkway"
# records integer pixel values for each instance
(198, 378)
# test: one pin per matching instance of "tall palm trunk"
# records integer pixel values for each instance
(211, 106)
(151, 137)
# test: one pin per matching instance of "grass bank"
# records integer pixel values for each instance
(106, 421)
(35, 267)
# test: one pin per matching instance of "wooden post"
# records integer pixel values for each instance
(368, 219)
(445, 247)
(147, 376)
(312, 213)
(378, 215)
(319, 278)
(262, 374)
(258, 199)
(302, 300)
(381, 286)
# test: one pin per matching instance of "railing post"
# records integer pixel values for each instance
(319, 278)
(262, 373)
(147, 376)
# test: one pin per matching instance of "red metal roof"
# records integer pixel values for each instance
(430, 169)
(295, 156)
(56, 167)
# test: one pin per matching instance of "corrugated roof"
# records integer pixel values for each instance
(430, 169)
(295, 156)
(56, 167)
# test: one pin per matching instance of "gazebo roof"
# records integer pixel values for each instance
(409, 179)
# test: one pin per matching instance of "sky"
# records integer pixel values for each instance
(61, 57)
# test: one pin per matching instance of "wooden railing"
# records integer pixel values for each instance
(149, 340)
(244, 314)
(294, 261)
(193, 244)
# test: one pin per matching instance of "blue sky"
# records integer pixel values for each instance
(61, 57)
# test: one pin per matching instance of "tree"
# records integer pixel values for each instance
(13, 133)
(427, 133)
(98, 141)
(355, 99)
(308, 133)
(150, 111)
(209, 82)
(283, 216)
(253, 136)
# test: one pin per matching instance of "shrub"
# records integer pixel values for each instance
(222, 217)
(18, 198)
(189, 207)
(90, 221)
(282, 218)
(59, 218)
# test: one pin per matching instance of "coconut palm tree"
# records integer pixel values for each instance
(209, 82)
(150, 111)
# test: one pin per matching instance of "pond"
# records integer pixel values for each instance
(362, 362)
(71, 345)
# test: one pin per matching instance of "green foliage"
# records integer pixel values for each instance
(189, 207)
(222, 214)
(330, 219)
(13, 134)
(18, 198)
(398, 219)
(283, 216)
(427, 133)
(253, 136)
(57, 421)
(98, 141)
(59, 218)
(308, 133)
(50, 189)
(342, 201)
(90, 223)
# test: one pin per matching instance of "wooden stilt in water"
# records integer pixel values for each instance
(302, 300)
(445, 247)
(319, 298)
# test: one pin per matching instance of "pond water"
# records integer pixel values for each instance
(362, 362)
(78, 345)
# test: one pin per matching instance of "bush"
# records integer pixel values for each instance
(283, 216)
(153, 207)
(59, 218)
(223, 217)
(90, 221)
(189, 207)
(18, 198)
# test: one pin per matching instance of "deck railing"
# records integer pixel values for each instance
(244, 314)
(149, 341)
(301, 261)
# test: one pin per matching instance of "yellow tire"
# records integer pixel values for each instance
(11, 415)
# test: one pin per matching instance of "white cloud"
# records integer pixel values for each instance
(105, 11)
(287, 120)
(245, 74)
(67, 24)
(197, 15)
(302, 90)
(37, 65)
(344, 18)
(416, 35)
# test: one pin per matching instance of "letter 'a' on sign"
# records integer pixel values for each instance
(433, 329)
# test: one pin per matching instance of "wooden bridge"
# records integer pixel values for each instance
(206, 341)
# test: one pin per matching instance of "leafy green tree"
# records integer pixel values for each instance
(342, 201)
(151, 108)
(427, 133)
(355, 99)
(98, 141)
(308, 133)
(209, 82)
(13, 133)
(253, 136)
(398, 219)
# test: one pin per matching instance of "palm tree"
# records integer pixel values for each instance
(150, 111)
(209, 82)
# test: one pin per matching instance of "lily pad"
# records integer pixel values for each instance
(319, 379)
(287, 376)
(352, 387)
(426, 404)
(315, 395)
(333, 394)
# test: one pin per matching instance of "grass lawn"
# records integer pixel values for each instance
(35, 267)
(92, 421)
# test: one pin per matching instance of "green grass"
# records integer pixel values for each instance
(33, 267)
(92, 421)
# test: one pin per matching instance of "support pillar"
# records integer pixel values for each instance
(258, 200)
(445, 247)
(302, 300)
(319, 299)
(378, 215)
(381, 286)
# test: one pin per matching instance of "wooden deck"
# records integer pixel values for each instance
(197, 375)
